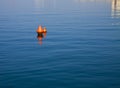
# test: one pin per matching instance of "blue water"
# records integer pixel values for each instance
(81, 48)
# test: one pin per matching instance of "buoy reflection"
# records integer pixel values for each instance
(41, 33)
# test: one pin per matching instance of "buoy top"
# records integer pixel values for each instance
(40, 29)
(44, 30)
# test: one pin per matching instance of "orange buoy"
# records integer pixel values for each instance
(44, 30)
(41, 33)
(40, 29)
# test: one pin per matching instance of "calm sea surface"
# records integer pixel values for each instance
(80, 50)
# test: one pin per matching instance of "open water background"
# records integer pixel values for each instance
(81, 48)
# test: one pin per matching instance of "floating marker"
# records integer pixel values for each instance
(41, 33)
(44, 30)
(40, 29)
